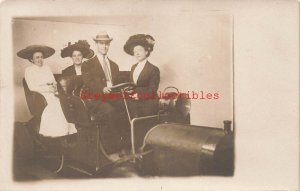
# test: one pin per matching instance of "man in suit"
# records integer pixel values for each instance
(99, 74)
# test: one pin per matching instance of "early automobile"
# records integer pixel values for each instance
(165, 144)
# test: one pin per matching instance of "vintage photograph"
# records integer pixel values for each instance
(123, 96)
(149, 95)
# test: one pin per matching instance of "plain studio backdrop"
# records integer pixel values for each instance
(192, 50)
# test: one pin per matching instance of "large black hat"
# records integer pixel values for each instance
(28, 52)
(144, 40)
(82, 46)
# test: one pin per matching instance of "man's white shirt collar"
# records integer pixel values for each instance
(100, 58)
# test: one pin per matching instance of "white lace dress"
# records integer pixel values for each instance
(53, 121)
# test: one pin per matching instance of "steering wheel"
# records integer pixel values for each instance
(119, 87)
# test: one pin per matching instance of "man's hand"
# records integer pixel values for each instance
(106, 90)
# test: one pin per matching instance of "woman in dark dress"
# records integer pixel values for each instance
(72, 74)
(145, 75)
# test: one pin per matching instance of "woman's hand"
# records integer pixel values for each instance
(52, 88)
(128, 91)
(134, 96)
(54, 83)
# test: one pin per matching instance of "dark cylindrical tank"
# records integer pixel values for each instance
(186, 150)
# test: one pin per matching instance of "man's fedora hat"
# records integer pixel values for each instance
(28, 52)
(102, 36)
(82, 46)
(147, 41)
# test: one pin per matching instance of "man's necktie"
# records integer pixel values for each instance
(106, 70)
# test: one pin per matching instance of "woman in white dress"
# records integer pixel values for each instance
(40, 79)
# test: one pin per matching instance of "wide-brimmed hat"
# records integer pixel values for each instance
(82, 46)
(102, 36)
(147, 41)
(28, 52)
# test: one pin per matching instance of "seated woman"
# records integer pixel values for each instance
(145, 75)
(40, 79)
(77, 52)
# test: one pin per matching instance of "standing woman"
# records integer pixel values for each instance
(39, 78)
(145, 75)
(76, 52)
